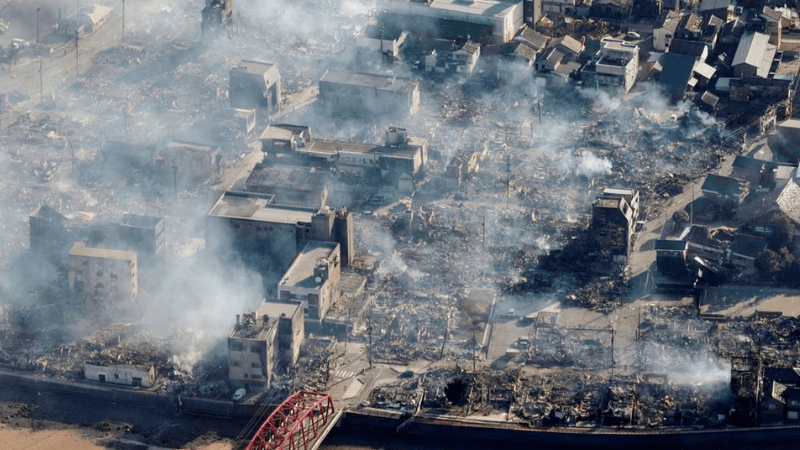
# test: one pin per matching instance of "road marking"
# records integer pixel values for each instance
(343, 374)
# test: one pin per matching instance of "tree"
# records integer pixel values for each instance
(768, 264)
(783, 229)
(680, 217)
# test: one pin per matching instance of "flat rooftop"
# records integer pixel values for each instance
(255, 67)
(192, 146)
(380, 82)
(486, 8)
(80, 249)
(282, 132)
(301, 272)
(400, 151)
(258, 207)
(275, 309)
(282, 177)
(138, 221)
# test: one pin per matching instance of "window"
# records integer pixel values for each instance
(116, 376)
(255, 365)
(99, 273)
(245, 375)
(235, 363)
(113, 276)
(254, 348)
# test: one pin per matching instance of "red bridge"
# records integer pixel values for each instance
(295, 424)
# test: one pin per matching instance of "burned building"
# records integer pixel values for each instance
(313, 279)
(103, 277)
(759, 173)
(255, 85)
(49, 237)
(701, 244)
(450, 57)
(85, 21)
(361, 94)
(217, 14)
(264, 343)
(144, 235)
(252, 224)
(122, 374)
(786, 141)
(383, 39)
(398, 163)
(780, 399)
(614, 215)
(190, 163)
(291, 185)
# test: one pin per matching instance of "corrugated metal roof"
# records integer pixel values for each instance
(751, 49)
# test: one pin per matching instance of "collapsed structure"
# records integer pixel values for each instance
(264, 343)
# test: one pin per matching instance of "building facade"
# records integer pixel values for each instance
(313, 279)
(362, 94)
(123, 374)
(264, 343)
(101, 275)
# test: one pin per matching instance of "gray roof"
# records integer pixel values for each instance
(381, 82)
(771, 14)
(708, 5)
(532, 38)
(754, 49)
(747, 246)
(724, 185)
(301, 272)
(672, 21)
(786, 200)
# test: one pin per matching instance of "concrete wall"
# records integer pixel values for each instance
(120, 374)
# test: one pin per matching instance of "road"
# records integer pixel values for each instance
(60, 67)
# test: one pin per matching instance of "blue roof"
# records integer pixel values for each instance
(676, 72)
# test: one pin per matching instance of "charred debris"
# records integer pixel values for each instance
(463, 201)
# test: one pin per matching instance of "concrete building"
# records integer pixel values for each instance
(399, 162)
(48, 232)
(290, 185)
(264, 343)
(255, 85)
(558, 8)
(618, 65)
(216, 15)
(123, 374)
(101, 275)
(362, 94)
(449, 57)
(505, 18)
(313, 279)
(614, 215)
(753, 56)
(381, 39)
(252, 224)
(190, 163)
(144, 235)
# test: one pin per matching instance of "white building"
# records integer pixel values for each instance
(753, 56)
(618, 65)
(313, 277)
(505, 18)
(127, 375)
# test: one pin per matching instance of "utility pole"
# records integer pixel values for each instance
(123, 21)
(369, 349)
(41, 82)
(175, 177)
(508, 178)
(474, 344)
(37, 23)
(77, 67)
(540, 112)
(483, 237)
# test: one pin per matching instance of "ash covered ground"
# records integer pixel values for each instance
(544, 153)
